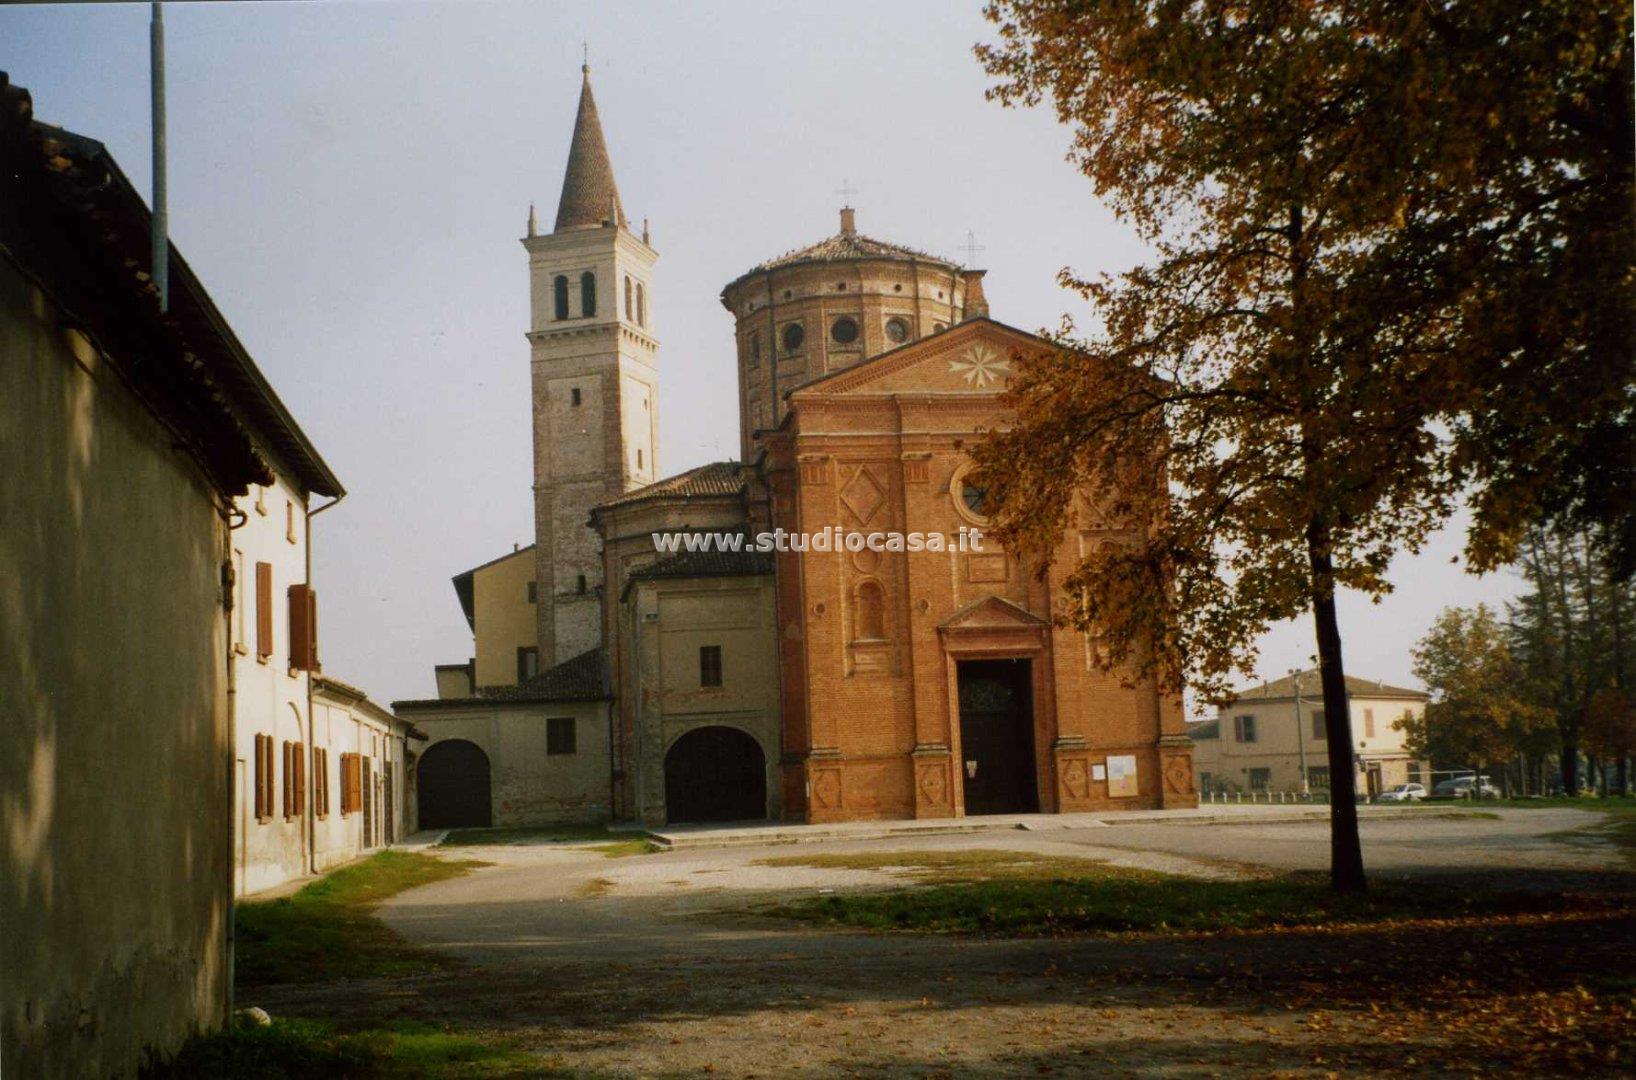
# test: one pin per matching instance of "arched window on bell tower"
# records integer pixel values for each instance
(587, 294)
(628, 315)
(560, 300)
(641, 305)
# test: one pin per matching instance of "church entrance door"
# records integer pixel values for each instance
(715, 774)
(997, 736)
(453, 783)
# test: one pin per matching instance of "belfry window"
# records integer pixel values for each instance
(629, 310)
(560, 300)
(587, 294)
(641, 305)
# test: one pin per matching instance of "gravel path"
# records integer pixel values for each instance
(647, 965)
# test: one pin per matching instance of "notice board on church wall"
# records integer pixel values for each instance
(1122, 777)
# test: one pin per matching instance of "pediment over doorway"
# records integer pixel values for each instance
(992, 613)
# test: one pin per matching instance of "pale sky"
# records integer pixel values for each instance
(350, 181)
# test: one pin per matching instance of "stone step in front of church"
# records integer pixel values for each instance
(749, 833)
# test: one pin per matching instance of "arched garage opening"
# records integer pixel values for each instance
(454, 786)
(715, 774)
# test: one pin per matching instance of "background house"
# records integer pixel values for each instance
(1259, 741)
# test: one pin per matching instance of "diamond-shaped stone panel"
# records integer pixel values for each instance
(862, 496)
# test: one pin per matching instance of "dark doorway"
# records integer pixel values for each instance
(715, 774)
(997, 736)
(454, 786)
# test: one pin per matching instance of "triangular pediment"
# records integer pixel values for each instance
(992, 613)
(976, 357)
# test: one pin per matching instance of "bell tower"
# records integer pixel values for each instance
(595, 382)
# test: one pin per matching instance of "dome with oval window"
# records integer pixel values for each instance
(844, 330)
(794, 335)
(897, 330)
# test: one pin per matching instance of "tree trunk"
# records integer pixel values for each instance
(1345, 850)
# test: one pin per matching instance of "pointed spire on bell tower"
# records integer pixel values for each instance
(589, 195)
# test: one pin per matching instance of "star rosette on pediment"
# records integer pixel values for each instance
(980, 366)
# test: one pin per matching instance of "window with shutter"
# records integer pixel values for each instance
(303, 628)
(260, 789)
(300, 760)
(267, 779)
(289, 782)
(264, 611)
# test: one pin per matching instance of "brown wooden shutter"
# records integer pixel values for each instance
(264, 610)
(298, 758)
(303, 628)
(261, 808)
(288, 791)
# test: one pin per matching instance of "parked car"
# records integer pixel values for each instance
(1461, 788)
(1403, 793)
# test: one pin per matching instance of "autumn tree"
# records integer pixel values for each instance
(1569, 634)
(1478, 715)
(1298, 355)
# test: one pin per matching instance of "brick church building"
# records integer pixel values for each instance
(614, 681)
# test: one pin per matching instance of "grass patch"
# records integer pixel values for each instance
(594, 888)
(326, 931)
(622, 848)
(305, 1048)
(1613, 804)
(994, 892)
(548, 834)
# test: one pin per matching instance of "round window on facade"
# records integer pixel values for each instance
(897, 331)
(794, 335)
(844, 330)
(974, 493)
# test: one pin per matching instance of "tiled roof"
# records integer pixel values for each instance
(1355, 687)
(717, 478)
(846, 246)
(582, 678)
(589, 194)
(707, 564)
(81, 230)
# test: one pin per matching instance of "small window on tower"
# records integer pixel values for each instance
(639, 459)
(533, 592)
(629, 307)
(559, 288)
(581, 583)
(755, 347)
(587, 294)
(573, 396)
(710, 665)
(641, 305)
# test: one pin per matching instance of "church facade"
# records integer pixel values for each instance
(831, 683)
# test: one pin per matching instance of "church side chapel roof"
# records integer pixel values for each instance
(686, 564)
(1209, 729)
(580, 678)
(715, 479)
(589, 194)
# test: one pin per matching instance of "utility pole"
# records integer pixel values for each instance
(161, 224)
(1300, 731)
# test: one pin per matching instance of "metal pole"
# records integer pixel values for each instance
(1300, 734)
(161, 226)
